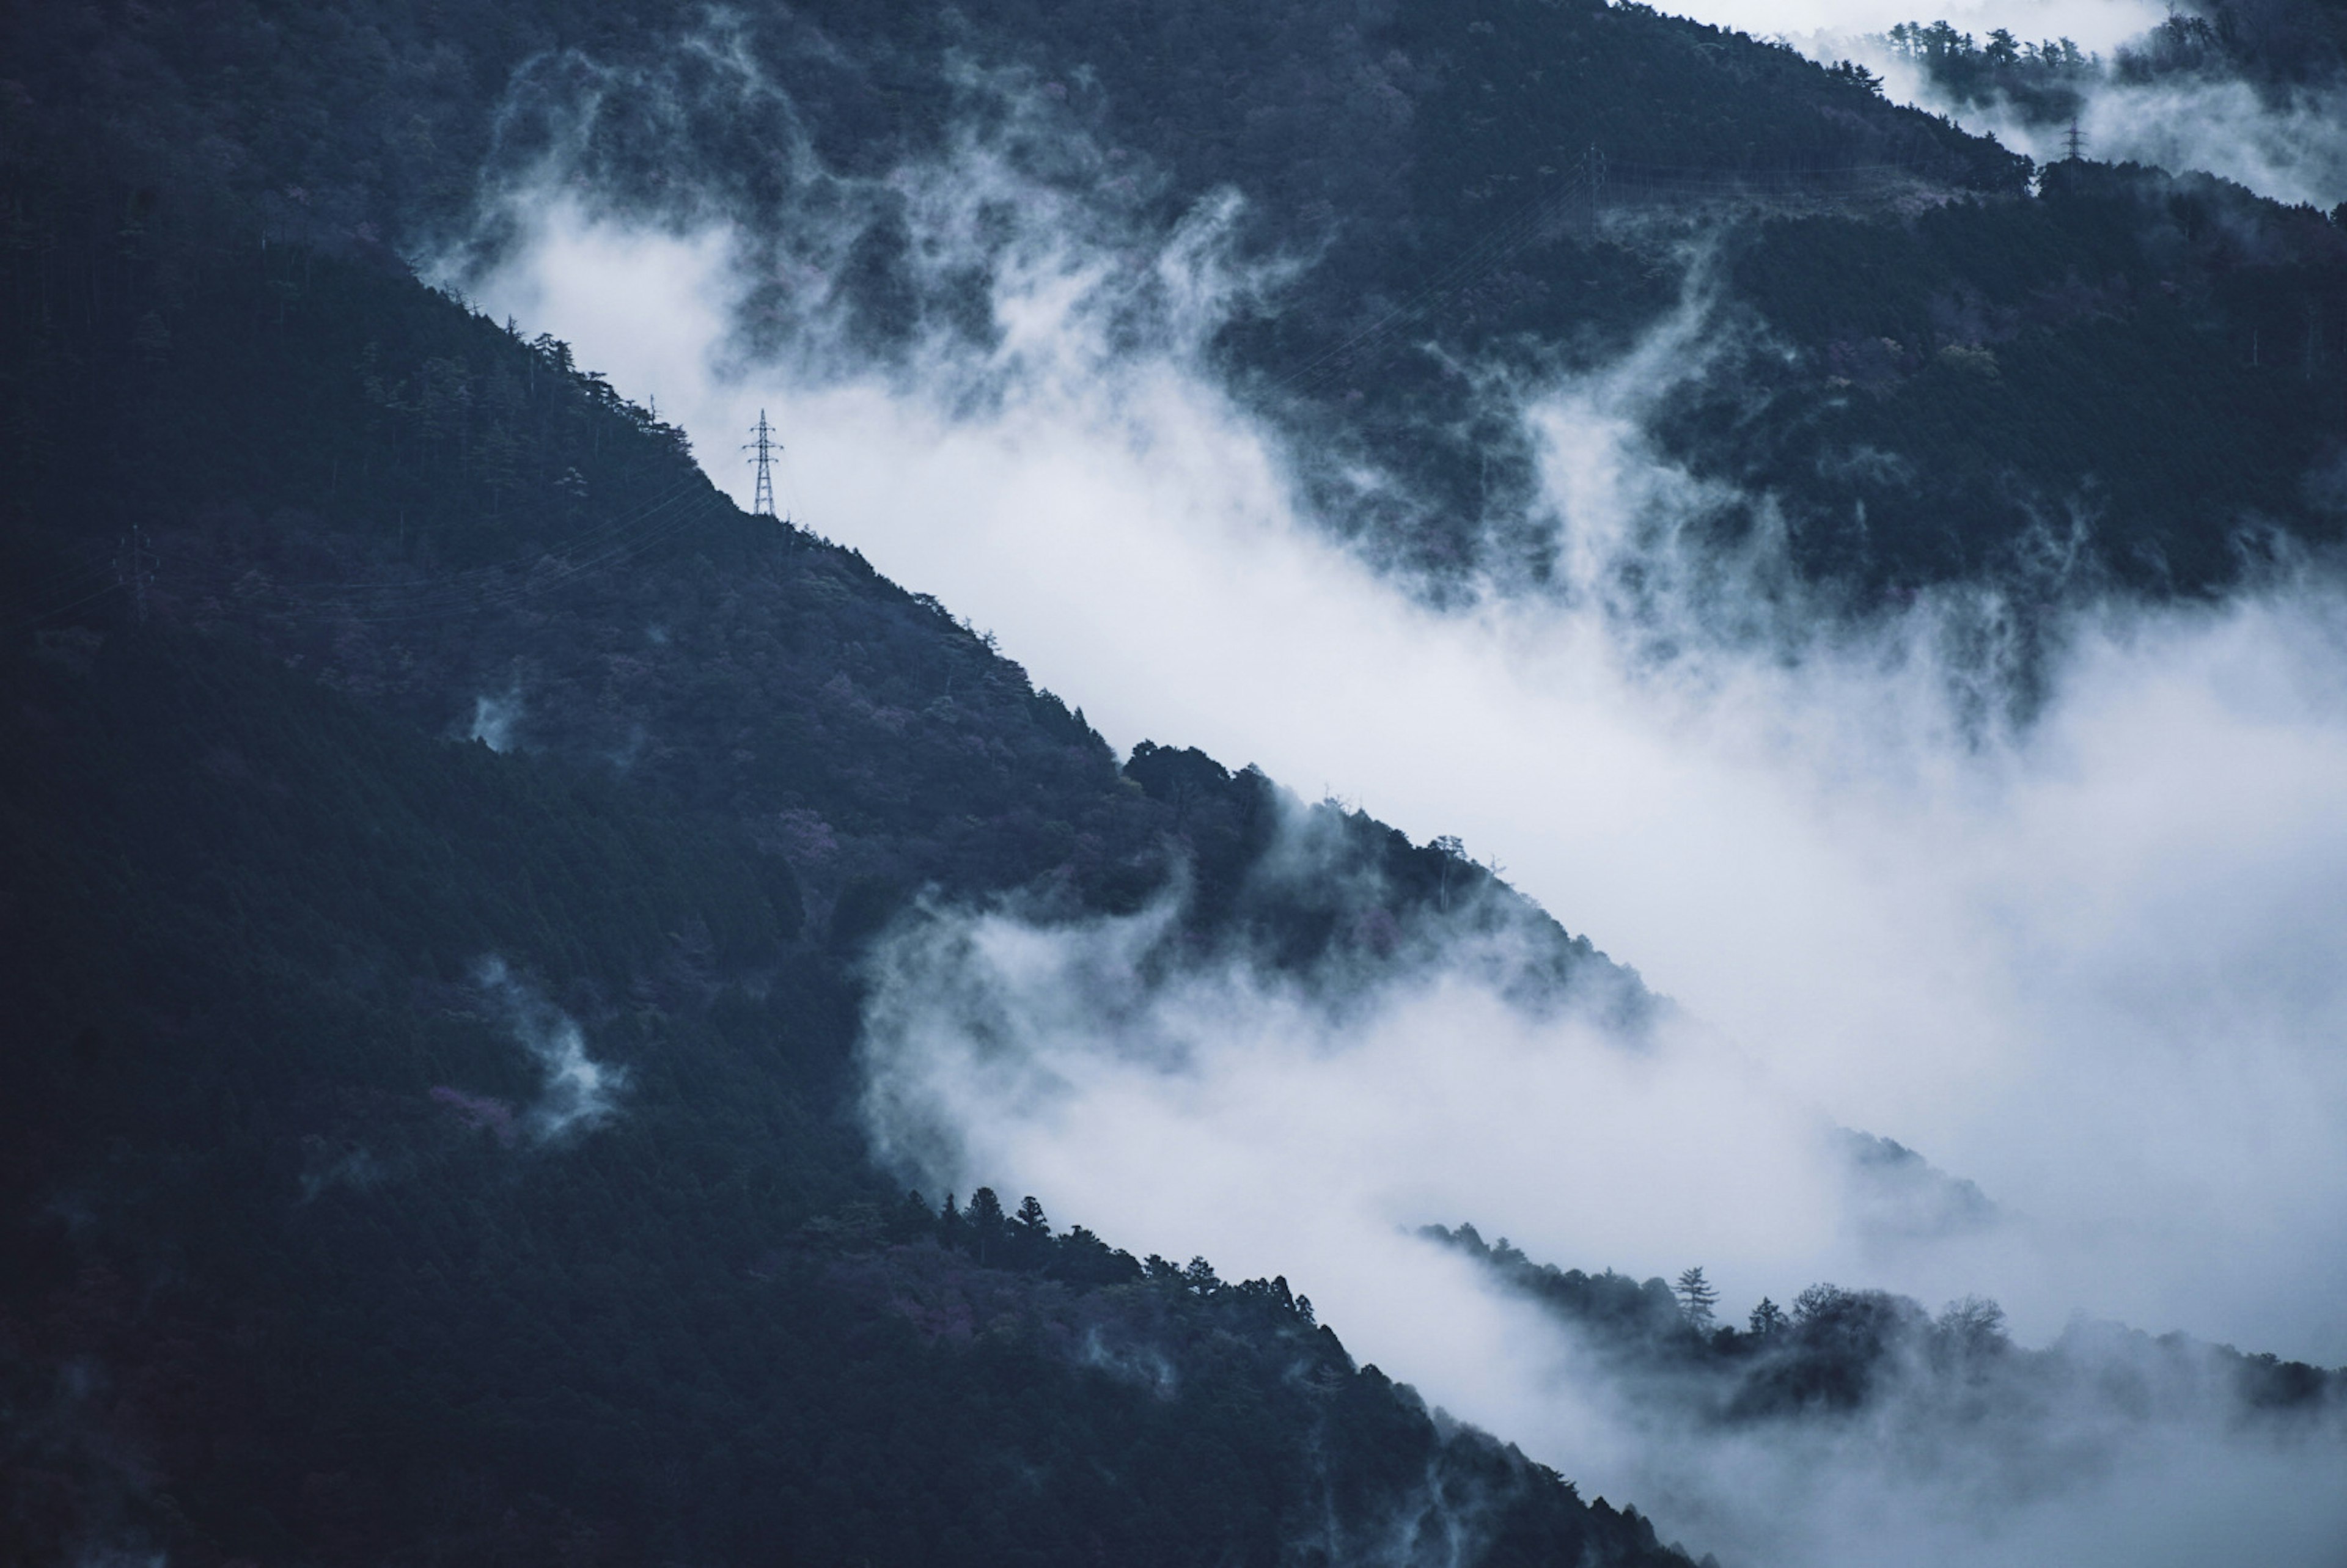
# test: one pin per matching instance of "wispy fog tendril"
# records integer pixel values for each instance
(578, 1093)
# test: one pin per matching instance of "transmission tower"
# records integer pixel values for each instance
(2073, 143)
(763, 447)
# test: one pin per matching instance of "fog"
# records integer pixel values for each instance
(494, 719)
(2091, 959)
(2291, 145)
(578, 1093)
(2093, 25)
(2286, 142)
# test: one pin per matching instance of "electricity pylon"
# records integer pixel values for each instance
(764, 448)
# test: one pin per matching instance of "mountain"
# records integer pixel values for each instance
(442, 836)
(2130, 376)
(444, 839)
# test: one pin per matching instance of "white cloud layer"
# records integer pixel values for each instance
(2093, 24)
(2097, 963)
(2289, 144)
(2294, 150)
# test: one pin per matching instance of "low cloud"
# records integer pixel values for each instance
(494, 719)
(2056, 897)
(1268, 1121)
(2097, 24)
(578, 1093)
(2289, 144)
(2286, 139)
(2091, 961)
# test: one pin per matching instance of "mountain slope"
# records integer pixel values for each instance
(417, 1153)
(418, 1150)
(442, 835)
(1517, 183)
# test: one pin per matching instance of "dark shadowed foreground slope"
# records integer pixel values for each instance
(437, 834)
(331, 1239)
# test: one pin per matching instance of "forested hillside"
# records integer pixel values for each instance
(425, 1149)
(1526, 183)
(1953, 1377)
(417, 1153)
(442, 837)
(2273, 46)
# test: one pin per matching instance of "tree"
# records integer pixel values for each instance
(951, 1227)
(1029, 1235)
(1857, 76)
(985, 1221)
(912, 1219)
(1973, 1326)
(1696, 1298)
(1768, 1318)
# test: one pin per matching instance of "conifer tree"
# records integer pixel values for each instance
(1696, 1298)
(984, 1219)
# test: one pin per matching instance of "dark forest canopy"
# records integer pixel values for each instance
(309, 1251)
(2128, 377)
(1842, 1354)
(390, 706)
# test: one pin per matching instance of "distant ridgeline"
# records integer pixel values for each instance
(1942, 1383)
(1919, 369)
(2271, 47)
(438, 839)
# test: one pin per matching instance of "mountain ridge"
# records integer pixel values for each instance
(442, 832)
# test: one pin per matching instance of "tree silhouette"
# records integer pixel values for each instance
(1029, 1235)
(985, 1220)
(1696, 1297)
(1972, 1326)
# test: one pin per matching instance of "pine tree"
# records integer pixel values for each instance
(1696, 1298)
(912, 1219)
(1029, 1235)
(984, 1219)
